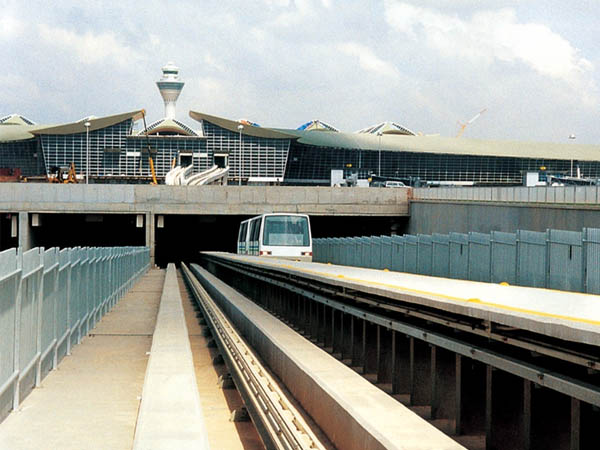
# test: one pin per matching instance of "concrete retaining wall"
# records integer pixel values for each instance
(462, 217)
(64, 198)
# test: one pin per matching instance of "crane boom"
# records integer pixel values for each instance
(150, 160)
(473, 119)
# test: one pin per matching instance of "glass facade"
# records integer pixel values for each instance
(312, 165)
(260, 158)
(23, 155)
(113, 151)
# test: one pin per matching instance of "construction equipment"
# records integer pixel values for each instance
(150, 160)
(62, 174)
(462, 126)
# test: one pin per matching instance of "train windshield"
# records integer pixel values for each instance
(286, 231)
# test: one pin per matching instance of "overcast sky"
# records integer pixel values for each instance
(352, 63)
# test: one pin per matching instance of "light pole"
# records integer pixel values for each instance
(572, 137)
(379, 134)
(87, 151)
(240, 128)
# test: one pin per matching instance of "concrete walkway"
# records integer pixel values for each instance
(91, 401)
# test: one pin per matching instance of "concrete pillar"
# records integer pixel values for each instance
(25, 237)
(584, 425)
(551, 419)
(384, 355)
(401, 368)
(347, 338)
(443, 375)
(421, 386)
(470, 396)
(370, 347)
(506, 411)
(356, 341)
(151, 236)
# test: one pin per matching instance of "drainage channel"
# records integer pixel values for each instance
(280, 424)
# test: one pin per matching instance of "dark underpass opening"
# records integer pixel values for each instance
(177, 238)
(182, 237)
(87, 230)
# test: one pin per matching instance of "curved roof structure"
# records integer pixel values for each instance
(417, 144)
(16, 130)
(387, 128)
(232, 125)
(95, 124)
(168, 126)
(317, 125)
(16, 119)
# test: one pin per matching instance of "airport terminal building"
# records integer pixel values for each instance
(110, 149)
(118, 149)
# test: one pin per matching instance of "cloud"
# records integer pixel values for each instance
(10, 27)
(367, 59)
(89, 48)
(492, 36)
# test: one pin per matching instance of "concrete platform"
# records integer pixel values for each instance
(91, 401)
(571, 316)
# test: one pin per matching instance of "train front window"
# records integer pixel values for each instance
(286, 231)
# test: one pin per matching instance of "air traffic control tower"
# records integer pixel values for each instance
(170, 87)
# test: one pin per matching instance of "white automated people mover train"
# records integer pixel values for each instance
(279, 235)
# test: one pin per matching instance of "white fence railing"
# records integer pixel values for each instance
(49, 300)
(541, 194)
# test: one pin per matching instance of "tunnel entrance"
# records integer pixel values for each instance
(8, 231)
(181, 237)
(87, 230)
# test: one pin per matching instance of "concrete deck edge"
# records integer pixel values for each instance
(170, 414)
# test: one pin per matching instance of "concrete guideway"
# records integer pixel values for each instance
(279, 421)
(488, 384)
(217, 403)
(352, 412)
(91, 401)
(170, 413)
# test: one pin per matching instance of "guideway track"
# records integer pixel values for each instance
(278, 422)
(319, 298)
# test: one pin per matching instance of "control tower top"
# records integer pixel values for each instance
(170, 87)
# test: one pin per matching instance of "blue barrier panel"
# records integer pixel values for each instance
(591, 242)
(316, 249)
(479, 257)
(410, 253)
(365, 250)
(386, 252)
(532, 263)
(459, 256)
(356, 251)
(565, 260)
(375, 253)
(440, 244)
(398, 253)
(503, 257)
(424, 254)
